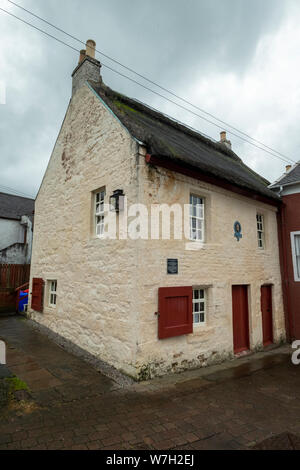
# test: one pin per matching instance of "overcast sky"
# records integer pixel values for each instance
(237, 59)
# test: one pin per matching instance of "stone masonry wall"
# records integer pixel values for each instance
(221, 263)
(96, 278)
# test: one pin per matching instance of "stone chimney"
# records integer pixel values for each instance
(88, 67)
(224, 141)
(287, 168)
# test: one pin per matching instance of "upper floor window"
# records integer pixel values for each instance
(99, 213)
(295, 240)
(52, 293)
(199, 306)
(260, 230)
(196, 218)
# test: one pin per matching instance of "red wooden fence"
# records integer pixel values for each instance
(11, 277)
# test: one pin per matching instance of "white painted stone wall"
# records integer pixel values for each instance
(96, 303)
(221, 263)
(107, 289)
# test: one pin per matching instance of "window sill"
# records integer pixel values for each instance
(100, 237)
(201, 333)
(97, 237)
(49, 311)
(195, 245)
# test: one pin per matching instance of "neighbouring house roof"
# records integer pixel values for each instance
(14, 207)
(292, 176)
(165, 137)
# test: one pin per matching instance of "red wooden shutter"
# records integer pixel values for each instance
(175, 306)
(37, 294)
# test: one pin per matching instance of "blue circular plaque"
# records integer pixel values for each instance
(237, 230)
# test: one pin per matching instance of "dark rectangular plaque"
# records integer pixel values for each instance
(172, 266)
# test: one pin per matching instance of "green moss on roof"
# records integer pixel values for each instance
(122, 106)
(170, 148)
(166, 137)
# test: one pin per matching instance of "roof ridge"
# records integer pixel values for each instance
(16, 195)
(287, 173)
(179, 125)
(164, 135)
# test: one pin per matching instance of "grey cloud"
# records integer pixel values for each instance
(170, 41)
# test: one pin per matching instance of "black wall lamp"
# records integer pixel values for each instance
(116, 201)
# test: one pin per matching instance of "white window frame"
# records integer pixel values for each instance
(200, 300)
(197, 213)
(99, 198)
(295, 255)
(52, 293)
(260, 228)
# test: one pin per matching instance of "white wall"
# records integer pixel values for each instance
(221, 263)
(291, 189)
(11, 231)
(96, 279)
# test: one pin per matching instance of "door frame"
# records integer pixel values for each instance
(249, 323)
(271, 287)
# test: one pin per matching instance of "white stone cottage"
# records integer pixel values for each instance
(150, 306)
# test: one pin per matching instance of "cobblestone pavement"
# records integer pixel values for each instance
(236, 405)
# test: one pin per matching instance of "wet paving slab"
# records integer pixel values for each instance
(248, 368)
(284, 441)
(50, 372)
(235, 405)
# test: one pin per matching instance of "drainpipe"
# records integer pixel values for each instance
(27, 224)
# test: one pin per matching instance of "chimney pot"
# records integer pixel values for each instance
(287, 168)
(223, 136)
(90, 48)
(82, 55)
(224, 140)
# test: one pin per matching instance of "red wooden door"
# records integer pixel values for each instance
(175, 305)
(240, 319)
(267, 314)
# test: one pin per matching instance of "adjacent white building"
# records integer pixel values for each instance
(16, 225)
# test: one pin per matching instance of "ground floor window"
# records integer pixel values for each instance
(199, 306)
(52, 293)
(295, 240)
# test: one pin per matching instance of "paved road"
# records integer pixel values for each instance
(72, 406)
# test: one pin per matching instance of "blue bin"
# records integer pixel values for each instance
(23, 300)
